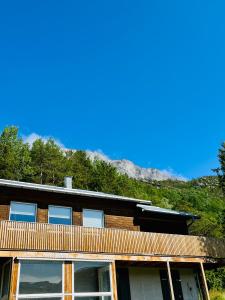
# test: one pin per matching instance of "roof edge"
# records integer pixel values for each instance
(159, 210)
(63, 190)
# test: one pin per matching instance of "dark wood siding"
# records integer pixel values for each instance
(120, 222)
(4, 212)
(118, 214)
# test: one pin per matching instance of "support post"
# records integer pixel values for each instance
(113, 278)
(204, 282)
(170, 281)
(14, 279)
(68, 280)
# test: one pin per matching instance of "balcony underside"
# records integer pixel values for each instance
(21, 236)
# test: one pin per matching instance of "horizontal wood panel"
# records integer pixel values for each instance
(47, 237)
(120, 222)
(4, 212)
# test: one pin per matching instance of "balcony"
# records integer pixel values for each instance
(47, 237)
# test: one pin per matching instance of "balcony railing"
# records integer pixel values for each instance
(48, 237)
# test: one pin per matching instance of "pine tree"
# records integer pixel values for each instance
(221, 170)
(80, 167)
(15, 160)
(48, 162)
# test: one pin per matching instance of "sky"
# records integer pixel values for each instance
(142, 80)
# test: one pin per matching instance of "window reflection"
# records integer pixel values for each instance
(91, 277)
(40, 277)
(23, 212)
(59, 215)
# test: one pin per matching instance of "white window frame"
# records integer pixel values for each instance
(40, 296)
(96, 210)
(61, 206)
(20, 202)
(93, 294)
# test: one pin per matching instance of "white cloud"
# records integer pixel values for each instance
(31, 138)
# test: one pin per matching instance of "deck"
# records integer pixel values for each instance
(50, 238)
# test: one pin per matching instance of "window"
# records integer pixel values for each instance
(44, 279)
(40, 279)
(24, 212)
(59, 215)
(92, 281)
(93, 218)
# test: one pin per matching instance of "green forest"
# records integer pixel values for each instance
(45, 162)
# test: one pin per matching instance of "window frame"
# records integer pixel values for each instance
(40, 296)
(26, 203)
(96, 210)
(61, 206)
(92, 294)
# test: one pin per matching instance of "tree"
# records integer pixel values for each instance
(48, 162)
(15, 160)
(105, 177)
(80, 167)
(221, 170)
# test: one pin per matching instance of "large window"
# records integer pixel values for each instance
(24, 212)
(93, 218)
(40, 280)
(59, 215)
(43, 279)
(92, 281)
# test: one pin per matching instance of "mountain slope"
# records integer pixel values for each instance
(129, 168)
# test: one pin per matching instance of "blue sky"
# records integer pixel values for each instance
(142, 80)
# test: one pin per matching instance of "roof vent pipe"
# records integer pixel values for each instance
(68, 182)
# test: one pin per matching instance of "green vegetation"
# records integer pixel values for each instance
(217, 295)
(47, 163)
(221, 170)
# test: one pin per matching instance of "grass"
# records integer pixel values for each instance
(217, 295)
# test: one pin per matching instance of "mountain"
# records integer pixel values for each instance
(127, 167)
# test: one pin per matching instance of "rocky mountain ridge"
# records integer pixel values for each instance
(127, 167)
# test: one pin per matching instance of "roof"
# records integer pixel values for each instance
(159, 210)
(63, 190)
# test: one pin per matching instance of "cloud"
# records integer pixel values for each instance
(31, 138)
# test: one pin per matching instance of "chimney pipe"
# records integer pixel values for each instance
(68, 182)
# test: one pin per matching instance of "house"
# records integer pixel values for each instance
(63, 243)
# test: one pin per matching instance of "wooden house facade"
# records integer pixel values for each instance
(62, 243)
